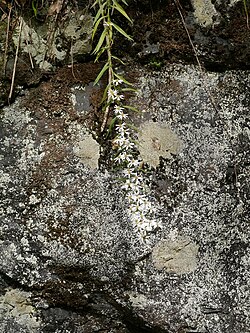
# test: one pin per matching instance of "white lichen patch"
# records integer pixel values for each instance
(16, 303)
(204, 12)
(35, 44)
(155, 140)
(233, 2)
(179, 256)
(48, 39)
(88, 151)
(4, 178)
(138, 300)
(79, 25)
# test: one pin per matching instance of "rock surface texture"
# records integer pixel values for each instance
(70, 257)
(71, 261)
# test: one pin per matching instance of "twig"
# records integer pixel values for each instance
(72, 59)
(178, 5)
(6, 42)
(16, 58)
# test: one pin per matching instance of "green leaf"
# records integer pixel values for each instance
(121, 10)
(111, 126)
(124, 1)
(118, 76)
(98, 14)
(34, 8)
(118, 59)
(129, 89)
(100, 42)
(99, 53)
(96, 25)
(131, 108)
(103, 70)
(104, 97)
(121, 31)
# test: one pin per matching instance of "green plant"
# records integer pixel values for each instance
(105, 11)
(246, 5)
(141, 210)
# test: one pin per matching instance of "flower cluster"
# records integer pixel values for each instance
(140, 209)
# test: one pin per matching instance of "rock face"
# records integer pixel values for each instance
(71, 261)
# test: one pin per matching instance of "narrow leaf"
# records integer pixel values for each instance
(111, 126)
(96, 26)
(131, 108)
(103, 70)
(98, 14)
(94, 4)
(100, 42)
(124, 1)
(121, 10)
(129, 89)
(118, 76)
(34, 8)
(99, 53)
(105, 94)
(121, 31)
(118, 59)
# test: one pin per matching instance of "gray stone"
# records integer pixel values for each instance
(70, 259)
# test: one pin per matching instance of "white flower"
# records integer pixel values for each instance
(122, 129)
(134, 163)
(128, 173)
(128, 185)
(137, 179)
(117, 97)
(119, 141)
(118, 109)
(122, 116)
(117, 82)
(132, 197)
(127, 145)
(113, 95)
(122, 157)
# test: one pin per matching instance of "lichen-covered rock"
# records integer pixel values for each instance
(163, 30)
(53, 41)
(72, 261)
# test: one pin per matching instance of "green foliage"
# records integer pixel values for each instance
(246, 8)
(34, 7)
(105, 11)
(156, 64)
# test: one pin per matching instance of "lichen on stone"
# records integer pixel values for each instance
(88, 150)
(204, 12)
(157, 140)
(47, 41)
(15, 305)
(176, 256)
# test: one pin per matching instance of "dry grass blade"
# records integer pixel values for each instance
(16, 58)
(6, 42)
(179, 8)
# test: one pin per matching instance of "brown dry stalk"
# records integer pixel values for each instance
(6, 42)
(210, 96)
(16, 58)
(179, 8)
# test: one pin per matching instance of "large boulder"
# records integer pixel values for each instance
(71, 259)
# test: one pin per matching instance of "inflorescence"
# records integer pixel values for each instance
(140, 208)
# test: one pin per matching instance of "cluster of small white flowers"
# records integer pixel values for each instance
(140, 209)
